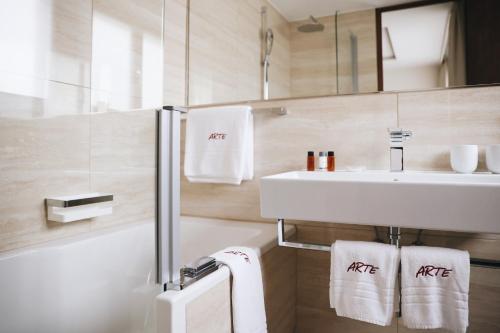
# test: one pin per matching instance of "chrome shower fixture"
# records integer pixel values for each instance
(268, 46)
(269, 40)
(313, 26)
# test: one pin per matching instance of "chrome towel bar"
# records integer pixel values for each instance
(280, 110)
(394, 235)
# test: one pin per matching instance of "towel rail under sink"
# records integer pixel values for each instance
(394, 236)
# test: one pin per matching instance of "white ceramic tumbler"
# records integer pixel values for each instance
(464, 158)
(493, 158)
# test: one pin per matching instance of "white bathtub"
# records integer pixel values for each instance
(104, 281)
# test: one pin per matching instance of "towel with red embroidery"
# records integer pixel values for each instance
(435, 288)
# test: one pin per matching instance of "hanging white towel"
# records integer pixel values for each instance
(362, 280)
(249, 314)
(435, 288)
(219, 145)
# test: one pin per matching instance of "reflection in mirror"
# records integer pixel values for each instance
(251, 50)
(268, 49)
(438, 44)
(423, 46)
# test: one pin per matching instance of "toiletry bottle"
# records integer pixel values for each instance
(322, 161)
(310, 161)
(331, 161)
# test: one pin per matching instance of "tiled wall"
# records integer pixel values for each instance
(314, 55)
(174, 52)
(78, 80)
(360, 24)
(225, 51)
(443, 118)
(313, 59)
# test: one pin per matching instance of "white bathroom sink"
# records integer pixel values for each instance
(423, 200)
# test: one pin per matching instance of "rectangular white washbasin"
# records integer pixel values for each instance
(423, 200)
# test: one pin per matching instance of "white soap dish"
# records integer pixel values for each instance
(78, 207)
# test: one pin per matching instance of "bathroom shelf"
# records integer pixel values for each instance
(72, 208)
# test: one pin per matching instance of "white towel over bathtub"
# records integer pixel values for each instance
(249, 313)
(435, 288)
(362, 280)
(219, 145)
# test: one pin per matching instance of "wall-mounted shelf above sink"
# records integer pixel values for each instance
(422, 200)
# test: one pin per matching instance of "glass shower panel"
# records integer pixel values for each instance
(356, 52)
(127, 77)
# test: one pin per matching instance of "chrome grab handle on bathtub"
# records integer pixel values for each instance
(194, 272)
(200, 267)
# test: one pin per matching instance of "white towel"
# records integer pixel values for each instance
(219, 145)
(362, 280)
(249, 314)
(435, 288)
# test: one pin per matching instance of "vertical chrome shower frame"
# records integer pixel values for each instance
(168, 254)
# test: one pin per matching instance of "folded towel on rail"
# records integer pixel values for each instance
(249, 313)
(362, 280)
(435, 288)
(219, 145)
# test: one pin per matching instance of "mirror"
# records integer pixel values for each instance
(268, 49)
(423, 46)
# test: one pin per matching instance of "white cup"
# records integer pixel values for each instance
(493, 158)
(464, 158)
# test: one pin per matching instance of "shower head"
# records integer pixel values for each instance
(269, 41)
(311, 27)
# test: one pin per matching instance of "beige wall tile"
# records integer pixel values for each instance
(280, 59)
(225, 52)
(313, 59)
(485, 246)
(224, 55)
(123, 163)
(36, 163)
(442, 118)
(127, 54)
(47, 40)
(174, 52)
(279, 278)
(362, 25)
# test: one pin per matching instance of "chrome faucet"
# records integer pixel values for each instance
(397, 136)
